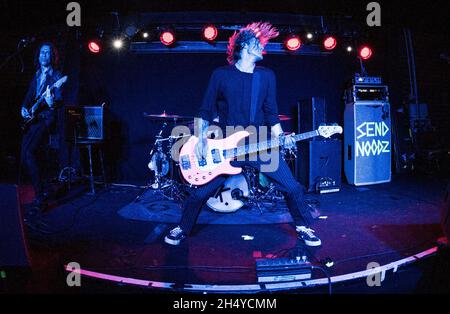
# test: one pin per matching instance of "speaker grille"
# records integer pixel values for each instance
(92, 126)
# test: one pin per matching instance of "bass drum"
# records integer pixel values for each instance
(159, 163)
(228, 198)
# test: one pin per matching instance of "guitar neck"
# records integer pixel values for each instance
(265, 145)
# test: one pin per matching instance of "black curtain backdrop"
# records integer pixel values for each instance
(133, 84)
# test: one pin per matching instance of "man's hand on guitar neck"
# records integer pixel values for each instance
(286, 140)
(25, 113)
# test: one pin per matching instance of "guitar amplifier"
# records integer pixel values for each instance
(85, 123)
(311, 113)
(319, 165)
(367, 143)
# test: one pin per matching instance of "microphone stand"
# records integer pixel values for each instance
(20, 47)
(363, 69)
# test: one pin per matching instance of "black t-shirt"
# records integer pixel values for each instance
(228, 97)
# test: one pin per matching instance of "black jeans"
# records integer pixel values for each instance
(33, 140)
(283, 179)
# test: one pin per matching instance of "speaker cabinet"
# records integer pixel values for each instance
(320, 165)
(311, 114)
(85, 123)
(13, 247)
(367, 142)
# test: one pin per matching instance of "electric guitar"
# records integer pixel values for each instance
(34, 109)
(222, 152)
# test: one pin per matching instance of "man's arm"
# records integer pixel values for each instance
(276, 130)
(54, 98)
(208, 109)
(271, 112)
(201, 128)
(207, 113)
(270, 107)
(28, 100)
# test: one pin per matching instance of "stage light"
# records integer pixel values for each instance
(349, 48)
(118, 43)
(145, 35)
(167, 38)
(329, 43)
(365, 52)
(94, 46)
(210, 32)
(309, 36)
(293, 42)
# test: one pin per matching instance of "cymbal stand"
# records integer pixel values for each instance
(173, 190)
(170, 188)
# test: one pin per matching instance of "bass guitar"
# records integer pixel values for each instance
(222, 152)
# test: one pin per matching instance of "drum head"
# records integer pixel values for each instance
(229, 198)
(159, 164)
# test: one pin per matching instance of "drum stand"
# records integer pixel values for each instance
(168, 188)
(172, 189)
(258, 197)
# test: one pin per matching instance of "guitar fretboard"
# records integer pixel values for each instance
(265, 145)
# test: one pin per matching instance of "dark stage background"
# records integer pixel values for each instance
(133, 84)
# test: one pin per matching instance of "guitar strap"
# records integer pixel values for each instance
(254, 96)
(41, 81)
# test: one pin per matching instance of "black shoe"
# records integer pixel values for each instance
(307, 235)
(175, 236)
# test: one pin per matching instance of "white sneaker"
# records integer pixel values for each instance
(175, 236)
(307, 235)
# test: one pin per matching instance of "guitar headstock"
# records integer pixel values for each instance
(59, 82)
(329, 130)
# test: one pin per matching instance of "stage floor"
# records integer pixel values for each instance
(359, 225)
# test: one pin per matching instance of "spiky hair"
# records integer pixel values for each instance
(263, 31)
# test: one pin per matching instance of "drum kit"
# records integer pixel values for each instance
(250, 187)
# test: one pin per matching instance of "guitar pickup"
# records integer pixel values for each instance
(202, 162)
(216, 156)
(185, 162)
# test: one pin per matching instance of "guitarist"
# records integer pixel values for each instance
(37, 133)
(231, 86)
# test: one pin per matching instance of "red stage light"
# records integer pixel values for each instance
(293, 43)
(167, 38)
(330, 43)
(210, 32)
(94, 46)
(365, 52)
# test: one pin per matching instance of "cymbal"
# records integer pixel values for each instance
(165, 116)
(284, 117)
